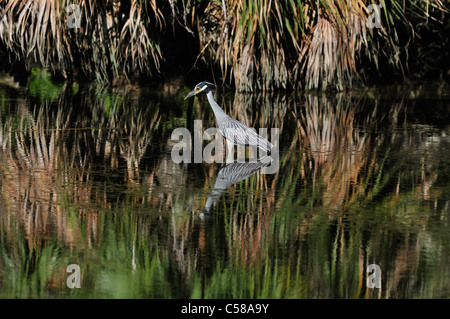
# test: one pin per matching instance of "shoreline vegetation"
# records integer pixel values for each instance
(261, 45)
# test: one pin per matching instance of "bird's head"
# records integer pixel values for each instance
(202, 87)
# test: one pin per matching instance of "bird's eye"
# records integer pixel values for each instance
(197, 89)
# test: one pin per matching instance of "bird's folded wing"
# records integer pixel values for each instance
(240, 133)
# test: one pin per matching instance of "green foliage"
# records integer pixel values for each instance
(42, 86)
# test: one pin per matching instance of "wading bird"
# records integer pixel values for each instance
(233, 130)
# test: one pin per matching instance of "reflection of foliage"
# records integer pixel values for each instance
(89, 180)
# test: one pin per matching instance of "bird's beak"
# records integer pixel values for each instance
(191, 94)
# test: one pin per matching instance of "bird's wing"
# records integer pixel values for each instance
(240, 133)
(236, 172)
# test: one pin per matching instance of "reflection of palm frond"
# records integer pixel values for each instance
(270, 237)
(338, 152)
(51, 155)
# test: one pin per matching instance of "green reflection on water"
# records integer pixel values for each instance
(86, 178)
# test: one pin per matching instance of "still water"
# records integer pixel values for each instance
(87, 178)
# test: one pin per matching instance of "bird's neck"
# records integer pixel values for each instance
(216, 108)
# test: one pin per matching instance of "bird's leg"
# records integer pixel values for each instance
(230, 152)
(241, 153)
(253, 153)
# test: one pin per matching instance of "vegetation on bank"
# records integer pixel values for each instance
(252, 45)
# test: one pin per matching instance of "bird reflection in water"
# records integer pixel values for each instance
(232, 174)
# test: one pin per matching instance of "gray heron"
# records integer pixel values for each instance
(233, 130)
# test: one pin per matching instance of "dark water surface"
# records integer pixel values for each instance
(87, 178)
